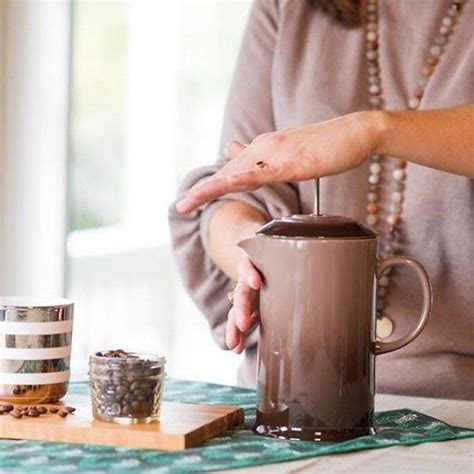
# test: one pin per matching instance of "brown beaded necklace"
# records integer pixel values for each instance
(390, 229)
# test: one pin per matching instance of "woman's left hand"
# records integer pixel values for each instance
(297, 154)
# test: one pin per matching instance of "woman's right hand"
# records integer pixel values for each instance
(244, 314)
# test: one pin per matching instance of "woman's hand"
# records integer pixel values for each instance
(296, 154)
(244, 312)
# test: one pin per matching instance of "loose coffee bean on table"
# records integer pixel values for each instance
(33, 411)
(16, 414)
(5, 408)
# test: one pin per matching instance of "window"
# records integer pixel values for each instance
(148, 86)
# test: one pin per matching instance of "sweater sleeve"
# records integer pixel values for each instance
(248, 113)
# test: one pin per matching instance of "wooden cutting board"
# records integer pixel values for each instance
(181, 426)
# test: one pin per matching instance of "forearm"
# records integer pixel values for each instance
(230, 223)
(440, 139)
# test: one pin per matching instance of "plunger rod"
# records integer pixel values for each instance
(316, 209)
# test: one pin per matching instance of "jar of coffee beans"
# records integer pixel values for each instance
(126, 387)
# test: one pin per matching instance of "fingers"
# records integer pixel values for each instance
(235, 339)
(219, 185)
(246, 294)
(240, 346)
(243, 315)
(254, 320)
(252, 179)
(248, 273)
(205, 192)
(232, 334)
(239, 174)
(244, 298)
(200, 194)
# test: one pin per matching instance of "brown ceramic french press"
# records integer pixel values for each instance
(317, 347)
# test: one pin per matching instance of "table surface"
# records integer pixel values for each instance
(446, 457)
(236, 447)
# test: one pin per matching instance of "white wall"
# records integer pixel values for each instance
(34, 66)
(2, 120)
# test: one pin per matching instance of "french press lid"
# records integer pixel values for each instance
(317, 227)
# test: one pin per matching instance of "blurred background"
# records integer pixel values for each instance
(104, 106)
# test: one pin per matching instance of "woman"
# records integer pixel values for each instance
(310, 95)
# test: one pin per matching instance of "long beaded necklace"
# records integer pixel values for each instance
(390, 229)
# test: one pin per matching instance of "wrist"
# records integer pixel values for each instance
(378, 124)
(239, 220)
(228, 223)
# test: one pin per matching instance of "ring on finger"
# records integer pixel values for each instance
(230, 294)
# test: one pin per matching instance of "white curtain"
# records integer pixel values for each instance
(34, 66)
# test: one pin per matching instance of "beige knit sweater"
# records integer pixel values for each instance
(296, 66)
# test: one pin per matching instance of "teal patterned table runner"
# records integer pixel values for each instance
(237, 448)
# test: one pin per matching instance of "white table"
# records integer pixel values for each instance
(456, 457)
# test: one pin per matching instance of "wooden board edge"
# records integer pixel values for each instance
(169, 443)
(232, 419)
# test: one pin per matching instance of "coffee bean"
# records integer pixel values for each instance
(116, 409)
(16, 390)
(70, 409)
(16, 414)
(42, 410)
(121, 390)
(6, 407)
(136, 405)
(33, 412)
(53, 409)
(63, 413)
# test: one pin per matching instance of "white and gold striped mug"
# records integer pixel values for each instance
(35, 348)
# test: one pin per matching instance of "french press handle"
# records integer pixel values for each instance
(382, 265)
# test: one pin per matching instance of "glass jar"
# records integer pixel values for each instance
(126, 387)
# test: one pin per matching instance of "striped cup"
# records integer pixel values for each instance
(35, 348)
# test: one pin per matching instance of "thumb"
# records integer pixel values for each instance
(248, 273)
